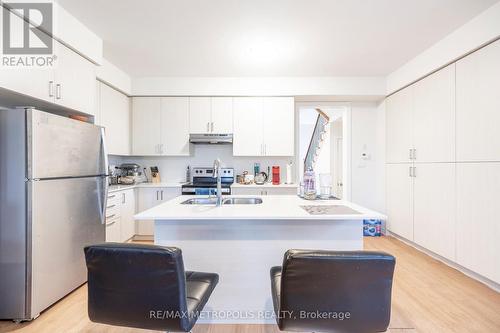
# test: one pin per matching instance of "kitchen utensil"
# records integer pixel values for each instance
(249, 179)
(155, 175)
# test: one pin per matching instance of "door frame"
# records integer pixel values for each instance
(346, 140)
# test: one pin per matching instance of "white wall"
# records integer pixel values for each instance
(173, 169)
(482, 29)
(367, 182)
(114, 77)
(264, 86)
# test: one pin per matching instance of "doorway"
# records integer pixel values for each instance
(323, 136)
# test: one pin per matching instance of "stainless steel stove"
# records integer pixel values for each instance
(205, 184)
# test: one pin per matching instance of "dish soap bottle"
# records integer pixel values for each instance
(309, 184)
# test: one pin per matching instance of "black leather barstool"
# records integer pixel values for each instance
(144, 286)
(332, 291)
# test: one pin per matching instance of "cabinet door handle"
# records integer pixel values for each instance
(162, 195)
(58, 91)
(51, 88)
(212, 124)
(414, 153)
(410, 172)
(110, 216)
(208, 126)
(410, 154)
(161, 148)
(414, 172)
(157, 194)
(110, 206)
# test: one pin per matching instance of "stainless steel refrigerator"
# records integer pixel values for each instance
(53, 190)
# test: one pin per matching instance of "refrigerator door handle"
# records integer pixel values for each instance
(104, 151)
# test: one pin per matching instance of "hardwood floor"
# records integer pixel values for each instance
(428, 296)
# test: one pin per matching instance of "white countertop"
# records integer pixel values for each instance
(273, 207)
(122, 187)
(266, 185)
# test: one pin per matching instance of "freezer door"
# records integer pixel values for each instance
(65, 217)
(62, 147)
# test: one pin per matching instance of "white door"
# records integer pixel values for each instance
(75, 80)
(248, 126)
(37, 83)
(399, 195)
(279, 126)
(434, 117)
(146, 125)
(478, 226)
(200, 114)
(222, 115)
(434, 208)
(478, 105)
(175, 126)
(127, 215)
(115, 117)
(399, 109)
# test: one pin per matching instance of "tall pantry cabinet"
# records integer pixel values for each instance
(443, 162)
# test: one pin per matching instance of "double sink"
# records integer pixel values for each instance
(227, 201)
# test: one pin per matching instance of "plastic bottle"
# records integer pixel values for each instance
(309, 184)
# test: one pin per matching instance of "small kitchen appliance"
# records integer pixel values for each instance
(132, 172)
(205, 184)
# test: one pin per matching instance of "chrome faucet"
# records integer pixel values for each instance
(217, 174)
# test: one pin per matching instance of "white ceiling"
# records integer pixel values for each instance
(269, 37)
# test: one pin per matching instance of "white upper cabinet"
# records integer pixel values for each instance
(174, 126)
(263, 126)
(146, 126)
(279, 126)
(399, 199)
(478, 228)
(69, 83)
(210, 115)
(434, 208)
(478, 105)
(114, 115)
(160, 126)
(222, 115)
(200, 110)
(399, 126)
(74, 81)
(31, 81)
(247, 126)
(434, 117)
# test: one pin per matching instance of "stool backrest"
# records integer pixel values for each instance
(332, 291)
(136, 285)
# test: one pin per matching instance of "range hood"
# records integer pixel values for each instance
(211, 138)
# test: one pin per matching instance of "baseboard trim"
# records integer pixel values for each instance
(478, 277)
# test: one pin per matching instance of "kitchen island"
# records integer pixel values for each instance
(241, 242)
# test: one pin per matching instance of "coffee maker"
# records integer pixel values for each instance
(131, 173)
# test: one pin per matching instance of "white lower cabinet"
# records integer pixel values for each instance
(399, 199)
(120, 210)
(150, 197)
(127, 214)
(478, 224)
(434, 208)
(255, 190)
